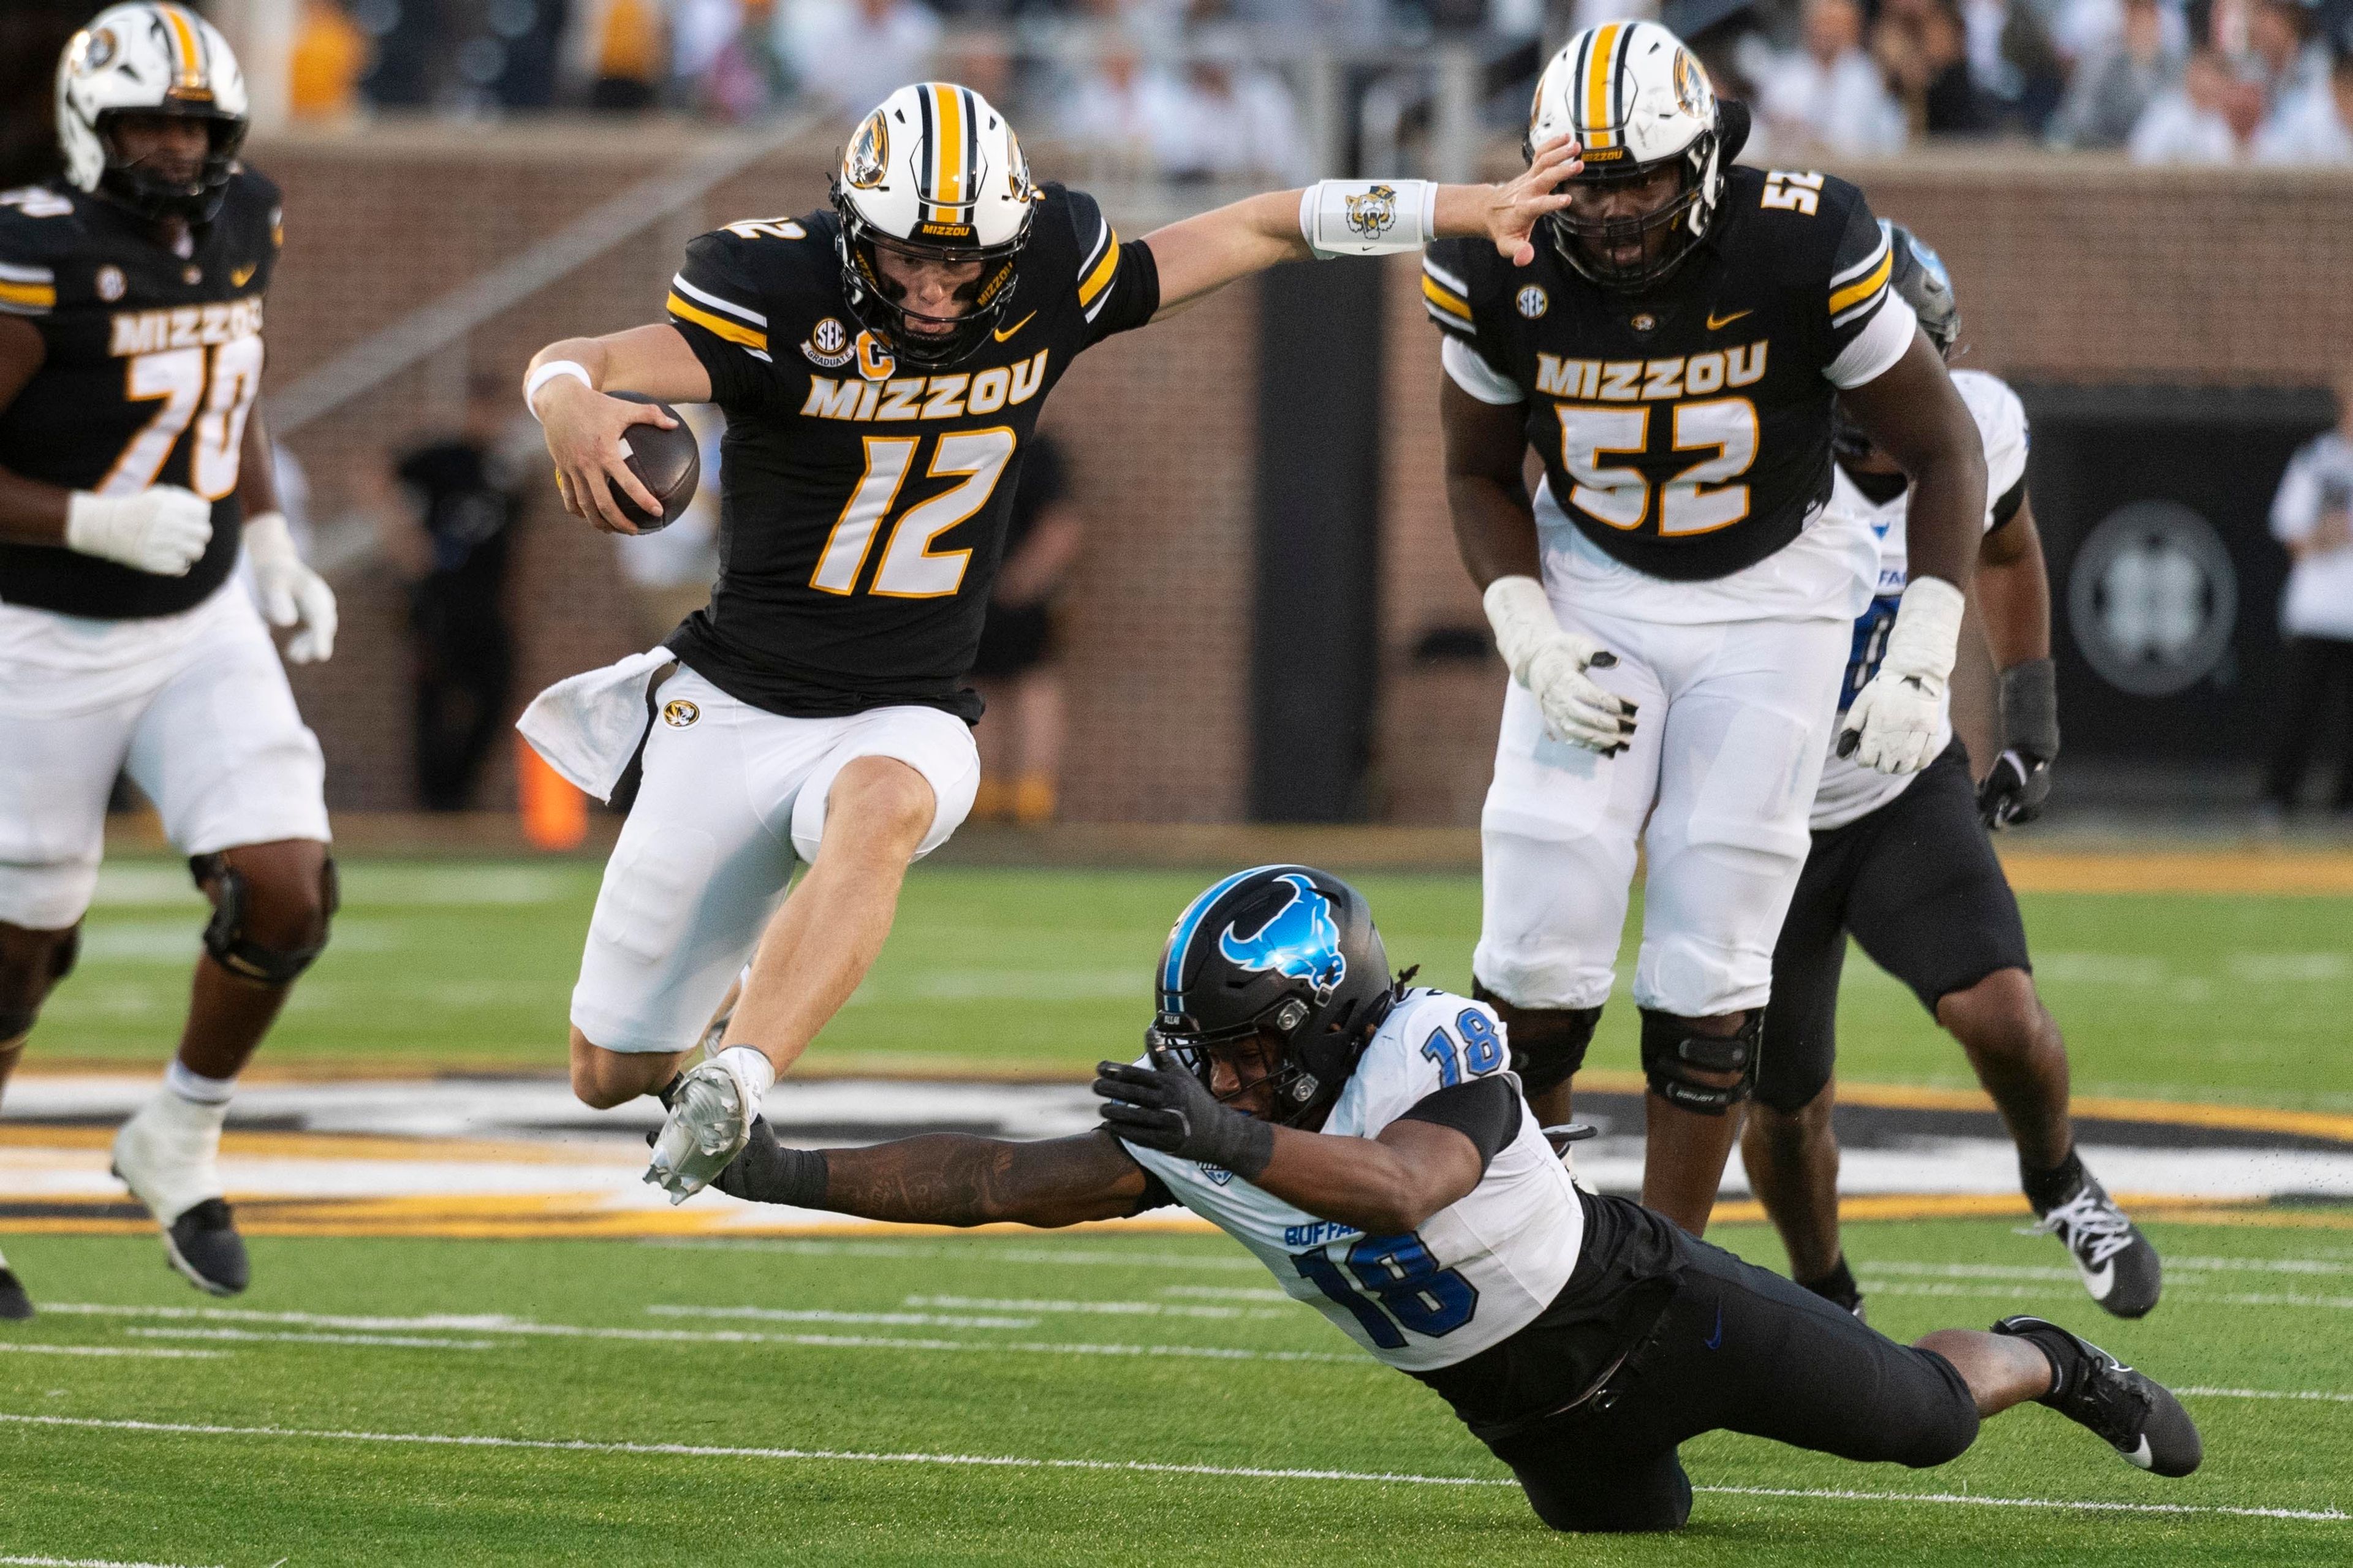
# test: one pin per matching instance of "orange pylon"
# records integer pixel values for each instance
(554, 814)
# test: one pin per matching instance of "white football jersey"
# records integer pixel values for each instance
(1475, 1272)
(1849, 790)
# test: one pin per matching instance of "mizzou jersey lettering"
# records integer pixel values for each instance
(150, 362)
(1686, 430)
(863, 509)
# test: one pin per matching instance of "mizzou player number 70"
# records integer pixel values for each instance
(883, 364)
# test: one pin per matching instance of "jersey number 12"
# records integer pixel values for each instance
(911, 569)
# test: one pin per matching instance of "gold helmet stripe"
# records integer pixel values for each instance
(948, 124)
(1599, 84)
(187, 52)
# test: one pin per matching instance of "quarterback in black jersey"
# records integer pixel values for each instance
(1675, 602)
(134, 466)
(883, 365)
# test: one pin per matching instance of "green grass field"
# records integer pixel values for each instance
(355, 1355)
(2180, 996)
(1080, 1399)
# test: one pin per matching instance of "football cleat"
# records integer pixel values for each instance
(2119, 1265)
(710, 1121)
(2138, 1416)
(167, 1154)
(15, 1305)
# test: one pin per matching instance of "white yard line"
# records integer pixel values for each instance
(399, 1342)
(84, 1562)
(1141, 1467)
(975, 1252)
(526, 1328)
(1227, 1292)
(2192, 1295)
(109, 1349)
(825, 1315)
(1106, 1308)
(2319, 1394)
(2173, 1265)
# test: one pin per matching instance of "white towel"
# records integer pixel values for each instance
(589, 725)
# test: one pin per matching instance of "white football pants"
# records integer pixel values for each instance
(1717, 782)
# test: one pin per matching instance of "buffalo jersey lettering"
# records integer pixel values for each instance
(1686, 430)
(863, 506)
(151, 362)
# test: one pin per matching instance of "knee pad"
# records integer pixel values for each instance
(1672, 1053)
(22, 991)
(224, 934)
(1548, 1043)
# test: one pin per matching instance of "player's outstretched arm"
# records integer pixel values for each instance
(944, 1178)
(291, 594)
(2014, 591)
(1384, 1186)
(30, 512)
(1197, 256)
(565, 388)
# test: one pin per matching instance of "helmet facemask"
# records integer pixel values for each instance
(152, 193)
(872, 296)
(1684, 219)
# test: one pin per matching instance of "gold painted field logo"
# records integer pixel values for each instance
(1373, 213)
(678, 712)
(868, 158)
(828, 344)
(1533, 302)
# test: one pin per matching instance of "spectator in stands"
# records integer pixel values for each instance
(853, 54)
(331, 53)
(2085, 30)
(2012, 64)
(464, 494)
(2285, 57)
(1112, 109)
(1827, 95)
(1019, 670)
(2313, 517)
(630, 46)
(2113, 87)
(1923, 48)
(2206, 118)
(2318, 128)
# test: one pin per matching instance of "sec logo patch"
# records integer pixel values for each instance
(1533, 302)
(678, 712)
(828, 344)
(110, 284)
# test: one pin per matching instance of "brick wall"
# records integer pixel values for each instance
(2068, 270)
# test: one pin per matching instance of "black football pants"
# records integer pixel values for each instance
(1739, 1349)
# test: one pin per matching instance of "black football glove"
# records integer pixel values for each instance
(768, 1172)
(2021, 780)
(1169, 1109)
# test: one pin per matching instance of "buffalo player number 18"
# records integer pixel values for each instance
(132, 464)
(883, 363)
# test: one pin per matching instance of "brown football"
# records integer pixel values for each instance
(667, 462)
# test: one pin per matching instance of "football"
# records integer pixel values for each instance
(667, 462)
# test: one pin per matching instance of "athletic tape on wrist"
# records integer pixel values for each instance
(547, 372)
(1927, 630)
(1519, 610)
(1367, 217)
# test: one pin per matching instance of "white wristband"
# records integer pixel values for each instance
(1927, 630)
(1522, 615)
(547, 372)
(1367, 217)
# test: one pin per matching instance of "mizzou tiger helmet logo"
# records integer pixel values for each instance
(868, 158)
(1373, 213)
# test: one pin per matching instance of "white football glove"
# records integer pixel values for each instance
(1893, 722)
(1551, 662)
(291, 594)
(163, 529)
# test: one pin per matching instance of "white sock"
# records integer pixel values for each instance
(197, 1089)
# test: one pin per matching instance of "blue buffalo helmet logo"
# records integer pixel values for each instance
(1302, 941)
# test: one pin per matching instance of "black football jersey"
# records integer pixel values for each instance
(863, 509)
(152, 361)
(1686, 430)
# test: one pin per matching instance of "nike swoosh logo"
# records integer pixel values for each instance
(1716, 1340)
(236, 278)
(1715, 320)
(1016, 326)
(2142, 1455)
(2098, 1282)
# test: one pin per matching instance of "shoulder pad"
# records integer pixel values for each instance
(1454, 277)
(40, 228)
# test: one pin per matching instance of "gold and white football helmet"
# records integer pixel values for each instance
(1635, 99)
(149, 58)
(936, 175)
